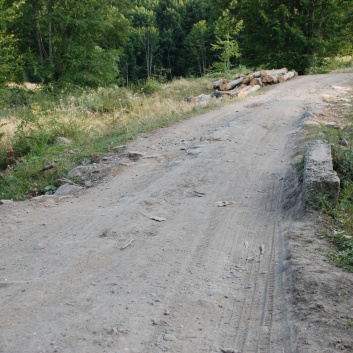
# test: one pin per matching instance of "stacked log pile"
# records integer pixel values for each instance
(243, 85)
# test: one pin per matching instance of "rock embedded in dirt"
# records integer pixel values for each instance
(67, 189)
(39, 246)
(169, 337)
(78, 171)
(6, 202)
(332, 125)
(135, 155)
(319, 177)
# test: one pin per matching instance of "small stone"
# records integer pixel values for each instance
(169, 337)
(204, 302)
(344, 142)
(88, 183)
(135, 155)
(39, 246)
(166, 312)
(194, 151)
(63, 140)
(332, 125)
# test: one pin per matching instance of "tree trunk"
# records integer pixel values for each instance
(287, 76)
(273, 72)
(214, 85)
(256, 81)
(228, 85)
(248, 90)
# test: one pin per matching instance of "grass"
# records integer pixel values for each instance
(31, 120)
(335, 64)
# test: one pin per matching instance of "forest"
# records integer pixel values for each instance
(98, 43)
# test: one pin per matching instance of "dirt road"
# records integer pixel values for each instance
(96, 273)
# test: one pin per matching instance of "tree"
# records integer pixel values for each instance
(197, 44)
(294, 33)
(10, 58)
(67, 40)
(226, 30)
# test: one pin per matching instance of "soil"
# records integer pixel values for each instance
(199, 243)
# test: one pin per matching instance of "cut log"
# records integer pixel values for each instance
(248, 90)
(226, 94)
(256, 81)
(286, 76)
(270, 79)
(248, 78)
(214, 85)
(223, 84)
(243, 85)
(226, 86)
(273, 72)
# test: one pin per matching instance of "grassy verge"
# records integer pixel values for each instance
(31, 120)
(336, 64)
(339, 218)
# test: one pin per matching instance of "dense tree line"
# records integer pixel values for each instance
(100, 42)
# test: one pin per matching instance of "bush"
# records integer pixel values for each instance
(150, 86)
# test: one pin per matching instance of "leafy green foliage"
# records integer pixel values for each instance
(197, 46)
(293, 34)
(226, 30)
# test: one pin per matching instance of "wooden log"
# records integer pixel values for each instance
(286, 76)
(250, 89)
(226, 94)
(256, 81)
(243, 85)
(214, 85)
(273, 72)
(226, 86)
(248, 78)
(270, 79)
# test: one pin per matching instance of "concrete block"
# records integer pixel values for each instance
(319, 176)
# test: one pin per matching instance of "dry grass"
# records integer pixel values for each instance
(103, 110)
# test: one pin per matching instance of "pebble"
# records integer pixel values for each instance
(169, 337)
(39, 246)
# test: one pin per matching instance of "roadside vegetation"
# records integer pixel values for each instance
(338, 218)
(95, 122)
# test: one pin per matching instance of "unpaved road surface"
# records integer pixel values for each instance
(95, 273)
